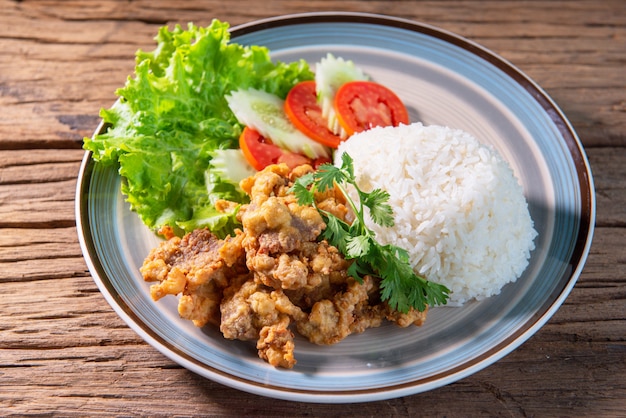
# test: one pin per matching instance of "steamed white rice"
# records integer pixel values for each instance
(459, 210)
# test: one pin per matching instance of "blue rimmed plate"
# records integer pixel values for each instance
(444, 79)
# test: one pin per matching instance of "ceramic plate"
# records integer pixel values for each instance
(444, 79)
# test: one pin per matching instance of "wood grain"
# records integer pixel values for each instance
(64, 351)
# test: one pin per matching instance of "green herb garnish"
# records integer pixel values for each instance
(400, 287)
(172, 121)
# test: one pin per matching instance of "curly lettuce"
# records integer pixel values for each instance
(172, 116)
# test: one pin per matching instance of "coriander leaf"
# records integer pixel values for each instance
(380, 211)
(336, 232)
(347, 164)
(301, 189)
(438, 293)
(397, 252)
(358, 270)
(402, 287)
(327, 175)
(357, 246)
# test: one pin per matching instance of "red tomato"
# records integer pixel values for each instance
(303, 111)
(292, 159)
(362, 105)
(260, 152)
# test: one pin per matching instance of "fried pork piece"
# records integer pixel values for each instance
(199, 266)
(272, 277)
(412, 317)
(281, 236)
(252, 311)
(331, 320)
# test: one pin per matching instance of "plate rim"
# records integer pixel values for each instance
(553, 302)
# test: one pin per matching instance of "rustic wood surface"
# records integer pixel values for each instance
(63, 350)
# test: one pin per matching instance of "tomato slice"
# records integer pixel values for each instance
(361, 105)
(305, 113)
(260, 152)
(292, 159)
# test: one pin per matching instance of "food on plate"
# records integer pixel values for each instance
(273, 275)
(172, 118)
(362, 105)
(265, 113)
(459, 211)
(304, 111)
(227, 154)
(330, 74)
(195, 98)
(260, 152)
(400, 287)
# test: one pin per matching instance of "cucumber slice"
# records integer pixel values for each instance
(330, 74)
(264, 112)
(231, 166)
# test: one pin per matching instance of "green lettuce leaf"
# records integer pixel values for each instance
(172, 114)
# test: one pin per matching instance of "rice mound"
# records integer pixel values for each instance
(458, 209)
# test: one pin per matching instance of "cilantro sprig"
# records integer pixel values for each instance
(400, 286)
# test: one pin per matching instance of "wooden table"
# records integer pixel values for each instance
(64, 351)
